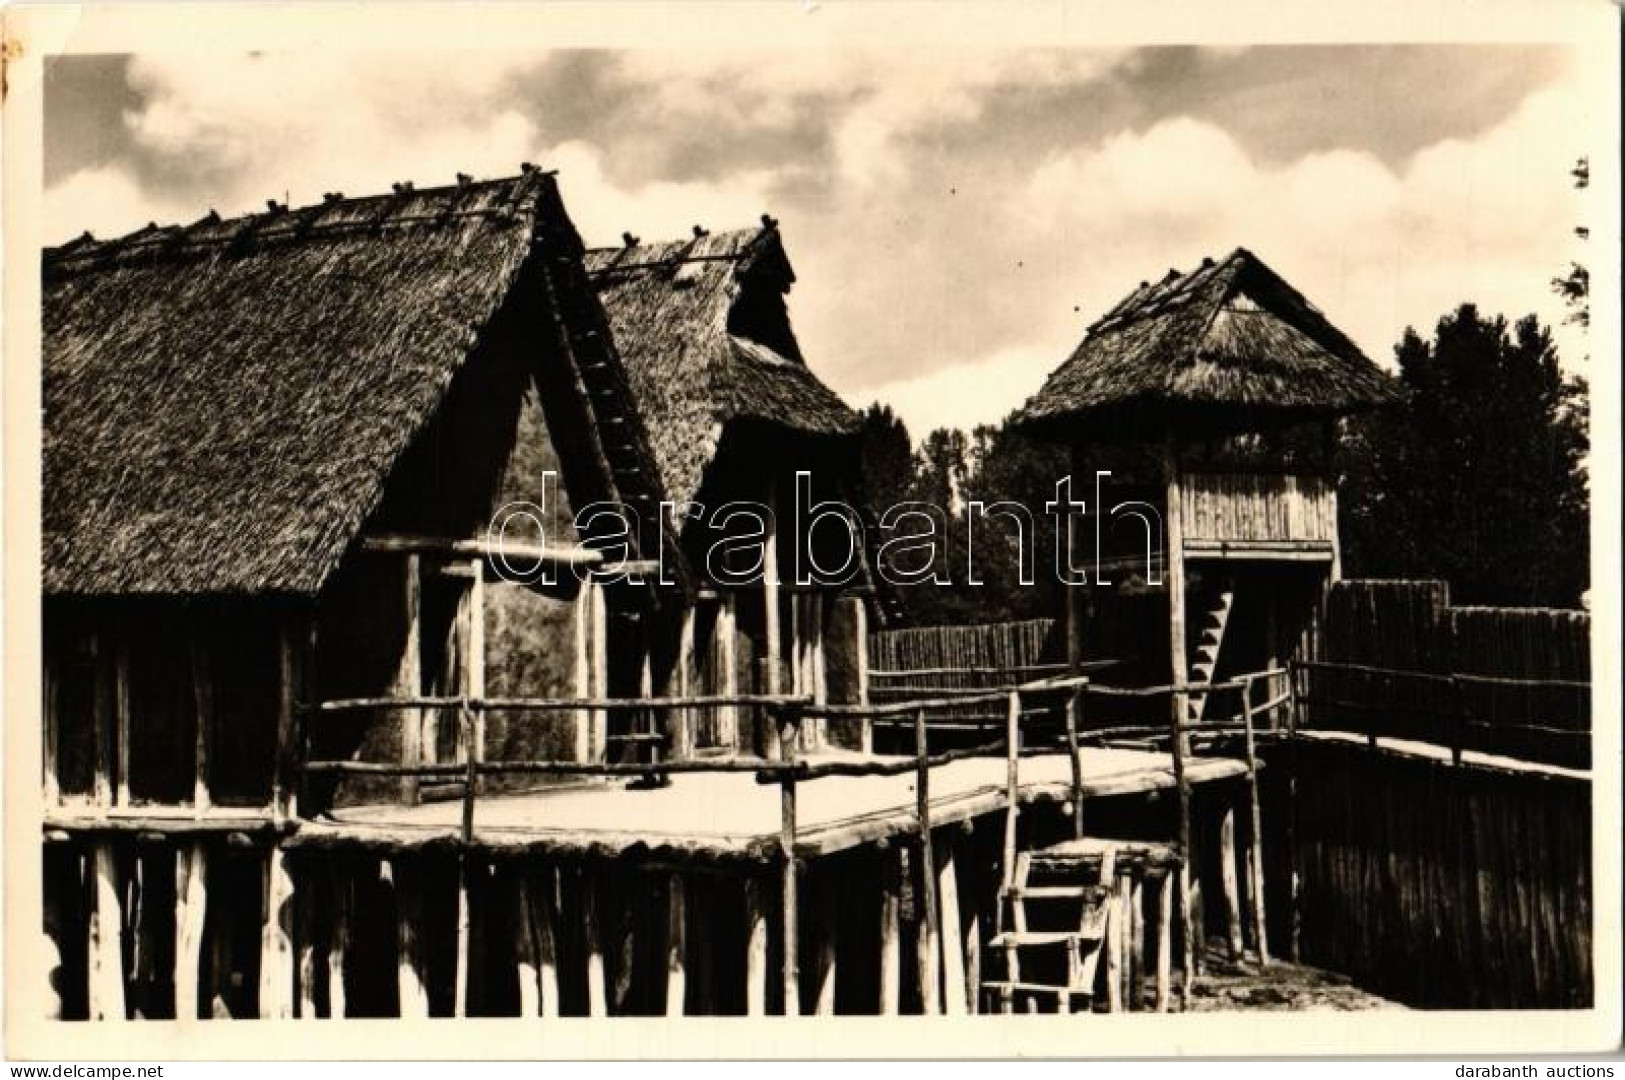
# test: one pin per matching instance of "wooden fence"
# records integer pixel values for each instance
(1395, 658)
(1441, 886)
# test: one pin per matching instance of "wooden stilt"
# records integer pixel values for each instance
(755, 946)
(683, 720)
(598, 640)
(121, 719)
(462, 975)
(826, 934)
(820, 672)
(1116, 935)
(289, 650)
(1165, 940)
(891, 915)
(342, 885)
(536, 953)
(973, 965)
(277, 977)
(727, 639)
(1255, 844)
(957, 995)
(106, 948)
(676, 947)
(474, 658)
(191, 904)
(410, 959)
(789, 736)
(203, 712)
(597, 960)
(1227, 881)
(50, 775)
(930, 932)
(1136, 941)
(305, 895)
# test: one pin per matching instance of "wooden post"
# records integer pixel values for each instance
(827, 915)
(106, 949)
(957, 996)
(682, 720)
(1116, 936)
(583, 670)
(121, 719)
(1187, 918)
(1074, 710)
(1136, 938)
(409, 676)
(535, 952)
(191, 908)
(1255, 848)
(727, 632)
(789, 736)
(770, 622)
(1165, 940)
(1294, 855)
(306, 893)
(53, 736)
(926, 946)
(599, 641)
(289, 650)
(410, 961)
(860, 624)
(462, 974)
(277, 975)
(203, 702)
(755, 947)
(338, 941)
(1175, 562)
(1227, 881)
(676, 947)
(891, 914)
(597, 960)
(1007, 868)
(474, 659)
(820, 687)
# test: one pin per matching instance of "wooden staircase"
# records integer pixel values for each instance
(1209, 642)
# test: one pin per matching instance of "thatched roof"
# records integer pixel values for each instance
(1223, 348)
(224, 401)
(702, 328)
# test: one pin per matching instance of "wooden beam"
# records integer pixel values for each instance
(105, 949)
(463, 974)
(409, 676)
(1180, 740)
(290, 649)
(682, 720)
(1116, 936)
(51, 778)
(1165, 940)
(598, 639)
(277, 961)
(676, 946)
(727, 632)
(307, 891)
(1136, 941)
(102, 706)
(191, 910)
(789, 736)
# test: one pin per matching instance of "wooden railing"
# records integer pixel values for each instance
(1441, 709)
(787, 770)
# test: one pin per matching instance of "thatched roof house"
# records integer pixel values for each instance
(1229, 346)
(226, 402)
(702, 328)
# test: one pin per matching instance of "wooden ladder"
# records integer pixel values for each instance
(1080, 885)
(1208, 644)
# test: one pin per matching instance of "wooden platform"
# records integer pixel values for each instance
(711, 816)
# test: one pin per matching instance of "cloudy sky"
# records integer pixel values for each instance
(955, 221)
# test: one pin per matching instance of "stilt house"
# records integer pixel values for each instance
(1196, 391)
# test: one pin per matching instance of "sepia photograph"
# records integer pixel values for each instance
(617, 513)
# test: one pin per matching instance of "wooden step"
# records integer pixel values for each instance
(1093, 893)
(1034, 939)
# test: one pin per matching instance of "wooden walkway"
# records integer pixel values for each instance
(731, 816)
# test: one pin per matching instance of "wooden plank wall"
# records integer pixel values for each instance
(1439, 886)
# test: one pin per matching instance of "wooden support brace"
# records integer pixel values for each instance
(958, 996)
(597, 958)
(891, 917)
(789, 736)
(755, 946)
(1255, 845)
(1165, 941)
(342, 886)
(411, 961)
(826, 940)
(676, 947)
(930, 928)
(463, 974)
(1136, 941)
